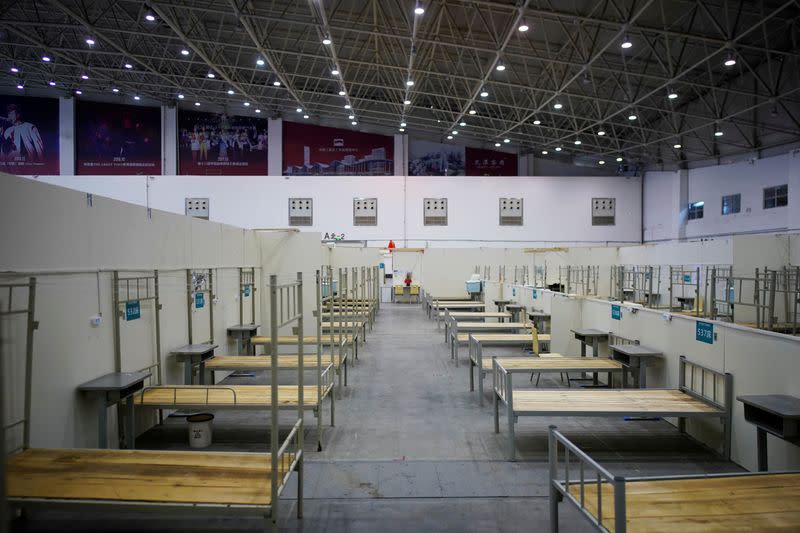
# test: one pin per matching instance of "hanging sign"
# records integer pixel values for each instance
(704, 332)
(513, 291)
(246, 291)
(199, 300)
(132, 310)
(687, 278)
(535, 294)
(616, 312)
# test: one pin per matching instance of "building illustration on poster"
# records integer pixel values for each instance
(310, 150)
(427, 158)
(482, 162)
(29, 140)
(221, 144)
(117, 139)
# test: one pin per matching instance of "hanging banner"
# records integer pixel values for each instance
(427, 158)
(29, 136)
(117, 139)
(310, 150)
(216, 144)
(482, 162)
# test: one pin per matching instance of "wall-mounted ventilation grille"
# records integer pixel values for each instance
(434, 211)
(510, 211)
(604, 211)
(301, 212)
(197, 207)
(365, 211)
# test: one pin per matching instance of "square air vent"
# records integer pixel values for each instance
(365, 211)
(604, 211)
(510, 211)
(197, 207)
(434, 211)
(301, 212)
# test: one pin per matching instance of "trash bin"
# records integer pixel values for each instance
(200, 430)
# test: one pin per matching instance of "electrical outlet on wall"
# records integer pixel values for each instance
(365, 211)
(198, 207)
(301, 211)
(434, 211)
(510, 211)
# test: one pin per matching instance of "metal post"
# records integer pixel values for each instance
(552, 461)
(117, 316)
(300, 370)
(757, 300)
(713, 293)
(211, 305)
(773, 275)
(189, 302)
(241, 295)
(274, 445)
(4, 512)
(620, 520)
(157, 307)
(29, 361)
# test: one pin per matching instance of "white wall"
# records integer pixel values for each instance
(709, 184)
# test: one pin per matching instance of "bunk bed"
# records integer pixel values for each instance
(736, 501)
(694, 398)
(148, 481)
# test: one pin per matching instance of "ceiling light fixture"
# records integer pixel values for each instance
(342, 93)
(260, 62)
(419, 10)
(500, 67)
(410, 83)
(305, 116)
(347, 106)
(601, 132)
(15, 70)
(455, 132)
(545, 152)
(449, 137)
(230, 91)
(149, 16)
(462, 124)
(51, 83)
(335, 72)
(46, 59)
(497, 144)
(632, 117)
(351, 117)
(90, 41)
(129, 66)
(523, 27)
(402, 124)
(537, 122)
(136, 97)
(326, 41)
(718, 133)
(730, 59)
(484, 94)
(211, 75)
(299, 109)
(558, 105)
(180, 96)
(472, 112)
(78, 92)
(407, 102)
(115, 90)
(258, 111)
(354, 123)
(626, 43)
(601, 162)
(402, 129)
(197, 104)
(20, 86)
(671, 94)
(677, 146)
(276, 83)
(506, 141)
(247, 104)
(619, 160)
(577, 142)
(184, 52)
(558, 148)
(84, 76)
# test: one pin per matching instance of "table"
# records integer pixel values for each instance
(501, 304)
(407, 292)
(593, 337)
(515, 310)
(777, 414)
(635, 357)
(194, 354)
(242, 334)
(540, 318)
(687, 302)
(112, 389)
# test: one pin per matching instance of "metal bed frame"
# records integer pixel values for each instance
(288, 454)
(503, 393)
(580, 280)
(642, 281)
(247, 279)
(451, 331)
(559, 487)
(681, 279)
(201, 281)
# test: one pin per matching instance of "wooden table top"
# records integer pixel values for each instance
(493, 325)
(769, 502)
(514, 338)
(212, 478)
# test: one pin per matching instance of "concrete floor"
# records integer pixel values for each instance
(413, 451)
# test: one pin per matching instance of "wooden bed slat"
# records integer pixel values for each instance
(624, 401)
(221, 396)
(768, 502)
(261, 362)
(142, 476)
(291, 339)
(553, 363)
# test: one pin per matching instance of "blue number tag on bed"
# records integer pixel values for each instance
(535, 295)
(247, 291)
(132, 310)
(616, 313)
(513, 291)
(687, 278)
(704, 332)
(199, 300)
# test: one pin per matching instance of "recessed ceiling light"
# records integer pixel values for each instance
(130, 66)
(601, 162)
(506, 141)
(20, 86)
(537, 122)
(14, 70)
(247, 104)
(276, 83)
(115, 90)
(184, 52)
(484, 94)
(351, 117)
(84, 76)
(197, 104)
(545, 152)
(299, 109)
(558, 148)
(462, 124)
(523, 27)
(211, 75)
(354, 123)
(449, 137)
(230, 91)
(472, 112)
(402, 124)
(46, 59)
(78, 92)
(730, 59)
(455, 132)
(258, 111)
(149, 16)
(577, 142)
(601, 132)
(419, 10)
(632, 117)
(676, 145)
(326, 41)
(501, 67)
(718, 133)
(137, 98)
(402, 129)
(619, 160)
(260, 62)
(558, 105)
(51, 83)
(497, 144)
(342, 93)
(407, 102)
(180, 96)
(335, 72)
(672, 95)
(90, 41)
(305, 116)
(626, 43)
(347, 106)
(410, 83)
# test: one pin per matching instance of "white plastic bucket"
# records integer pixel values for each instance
(200, 430)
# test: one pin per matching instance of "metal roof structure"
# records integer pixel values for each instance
(661, 82)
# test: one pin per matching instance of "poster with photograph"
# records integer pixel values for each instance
(310, 150)
(29, 140)
(218, 144)
(482, 162)
(117, 139)
(427, 158)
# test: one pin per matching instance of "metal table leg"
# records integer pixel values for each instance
(131, 429)
(642, 376)
(201, 370)
(102, 422)
(479, 362)
(187, 372)
(595, 349)
(761, 441)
